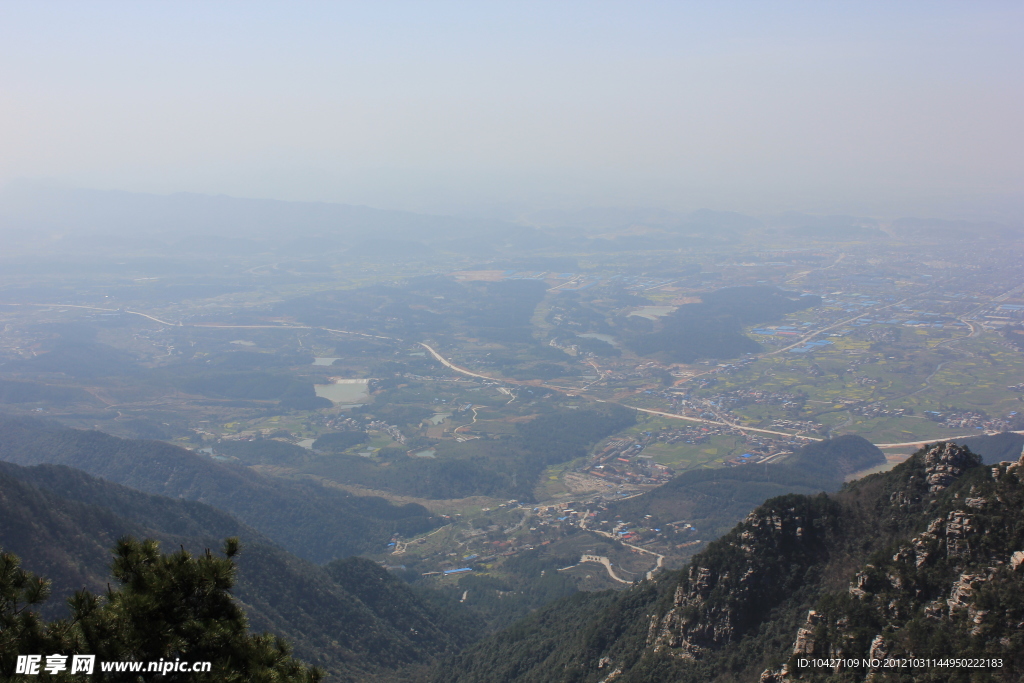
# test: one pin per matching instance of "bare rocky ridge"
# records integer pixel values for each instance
(944, 463)
(947, 577)
(715, 604)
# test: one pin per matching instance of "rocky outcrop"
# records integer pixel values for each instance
(692, 625)
(945, 463)
(959, 573)
(724, 593)
(780, 676)
(1017, 560)
(858, 588)
(962, 592)
(723, 597)
(805, 639)
(879, 648)
(959, 529)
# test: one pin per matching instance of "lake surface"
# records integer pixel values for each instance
(653, 312)
(344, 391)
(324, 361)
(438, 418)
(429, 453)
(305, 443)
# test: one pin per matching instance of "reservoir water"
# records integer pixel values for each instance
(653, 312)
(344, 391)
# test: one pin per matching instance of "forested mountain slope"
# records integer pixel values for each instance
(308, 519)
(352, 618)
(924, 561)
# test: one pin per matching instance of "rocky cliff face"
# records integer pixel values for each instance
(933, 552)
(925, 561)
(726, 590)
(955, 588)
(945, 463)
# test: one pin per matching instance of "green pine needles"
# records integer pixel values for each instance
(170, 607)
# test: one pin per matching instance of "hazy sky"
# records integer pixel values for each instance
(885, 107)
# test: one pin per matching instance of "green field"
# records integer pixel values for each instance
(715, 451)
(921, 370)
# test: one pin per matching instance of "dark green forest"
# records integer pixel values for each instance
(712, 328)
(165, 608)
(33, 392)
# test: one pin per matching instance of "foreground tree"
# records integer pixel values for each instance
(175, 608)
(21, 630)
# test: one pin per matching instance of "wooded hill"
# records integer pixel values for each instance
(714, 327)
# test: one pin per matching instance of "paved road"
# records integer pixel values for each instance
(444, 361)
(805, 273)
(925, 442)
(105, 310)
(660, 559)
(712, 422)
(601, 559)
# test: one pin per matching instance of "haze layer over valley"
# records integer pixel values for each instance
(564, 342)
(500, 414)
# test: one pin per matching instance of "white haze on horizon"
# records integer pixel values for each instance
(870, 107)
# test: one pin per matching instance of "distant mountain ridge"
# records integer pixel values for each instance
(135, 213)
(220, 222)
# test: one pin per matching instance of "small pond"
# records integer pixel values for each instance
(344, 391)
(653, 312)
